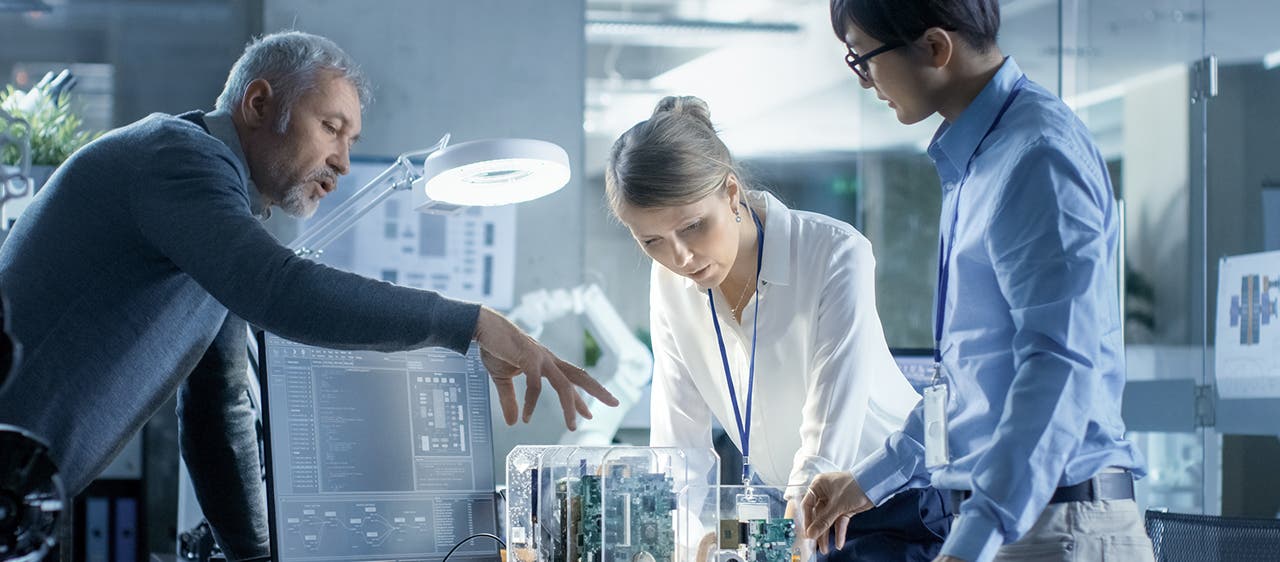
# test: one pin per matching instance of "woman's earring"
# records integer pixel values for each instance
(737, 217)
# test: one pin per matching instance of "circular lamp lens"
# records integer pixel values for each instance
(496, 172)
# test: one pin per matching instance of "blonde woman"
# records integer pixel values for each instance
(763, 318)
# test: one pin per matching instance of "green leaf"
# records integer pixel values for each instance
(55, 129)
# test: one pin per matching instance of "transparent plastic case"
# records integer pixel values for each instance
(523, 463)
(756, 525)
(609, 504)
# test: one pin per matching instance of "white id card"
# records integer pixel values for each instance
(936, 454)
(752, 506)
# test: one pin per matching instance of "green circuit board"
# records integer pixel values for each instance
(759, 540)
(770, 540)
(633, 523)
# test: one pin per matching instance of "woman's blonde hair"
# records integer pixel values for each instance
(674, 158)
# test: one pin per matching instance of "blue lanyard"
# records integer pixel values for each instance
(944, 251)
(744, 430)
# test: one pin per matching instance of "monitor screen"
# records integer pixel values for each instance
(916, 364)
(377, 456)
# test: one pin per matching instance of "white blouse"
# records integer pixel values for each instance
(827, 391)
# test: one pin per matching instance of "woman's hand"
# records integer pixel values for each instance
(832, 499)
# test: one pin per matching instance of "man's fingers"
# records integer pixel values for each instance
(532, 389)
(580, 377)
(842, 531)
(568, 397)
(581, 404)
(497, 367)
(507, 398)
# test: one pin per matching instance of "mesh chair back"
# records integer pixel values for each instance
(1179, 537)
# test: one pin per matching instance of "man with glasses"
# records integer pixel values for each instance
(1021, 424)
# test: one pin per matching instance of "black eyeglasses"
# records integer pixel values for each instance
(858, 63)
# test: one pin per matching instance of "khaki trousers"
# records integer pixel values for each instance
(1084, 532)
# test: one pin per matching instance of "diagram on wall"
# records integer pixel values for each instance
(1247, 352)
(1253, 307)
(469, 255)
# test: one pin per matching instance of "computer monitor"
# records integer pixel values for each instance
(916, 364)
(376, 456)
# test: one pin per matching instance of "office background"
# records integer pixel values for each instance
(1180, 95)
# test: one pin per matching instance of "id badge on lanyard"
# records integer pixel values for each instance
(936, 453)
(752, 506)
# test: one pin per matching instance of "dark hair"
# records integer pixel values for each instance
(674, 158)
(904, 21)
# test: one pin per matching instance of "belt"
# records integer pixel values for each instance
(1103, 486)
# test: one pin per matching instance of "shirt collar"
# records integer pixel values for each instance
(775, 268)
(954, 144)
(224, 129)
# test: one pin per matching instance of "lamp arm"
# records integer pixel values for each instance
(323, 239)
(440, 144)
(305, 244)
(399, 176)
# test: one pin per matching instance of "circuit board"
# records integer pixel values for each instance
(634, 523)
(759, 540)
(770, 540)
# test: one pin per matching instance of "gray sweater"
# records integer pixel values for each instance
(123, 270)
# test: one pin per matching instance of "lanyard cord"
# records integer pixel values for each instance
(944, 250)
(744, 430)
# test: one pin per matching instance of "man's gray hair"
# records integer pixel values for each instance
(293, 63)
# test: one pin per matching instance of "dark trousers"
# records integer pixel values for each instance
(910, 526)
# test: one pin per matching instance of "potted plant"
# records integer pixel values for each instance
(55, 129)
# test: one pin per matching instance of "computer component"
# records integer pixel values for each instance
(375, 455)
(755, 527)
(758, 540)
(608, 504)
(638, 522)
(770, 540)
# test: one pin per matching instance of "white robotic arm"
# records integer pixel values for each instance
(629, 361)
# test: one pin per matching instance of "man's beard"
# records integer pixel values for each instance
(298, 199)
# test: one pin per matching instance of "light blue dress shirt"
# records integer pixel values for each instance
(1031, 343)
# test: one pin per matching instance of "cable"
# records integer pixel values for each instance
(475, 536)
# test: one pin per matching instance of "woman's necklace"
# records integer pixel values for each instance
(742, 299)
(737, 309)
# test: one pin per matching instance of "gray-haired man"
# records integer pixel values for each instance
(136, 264)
